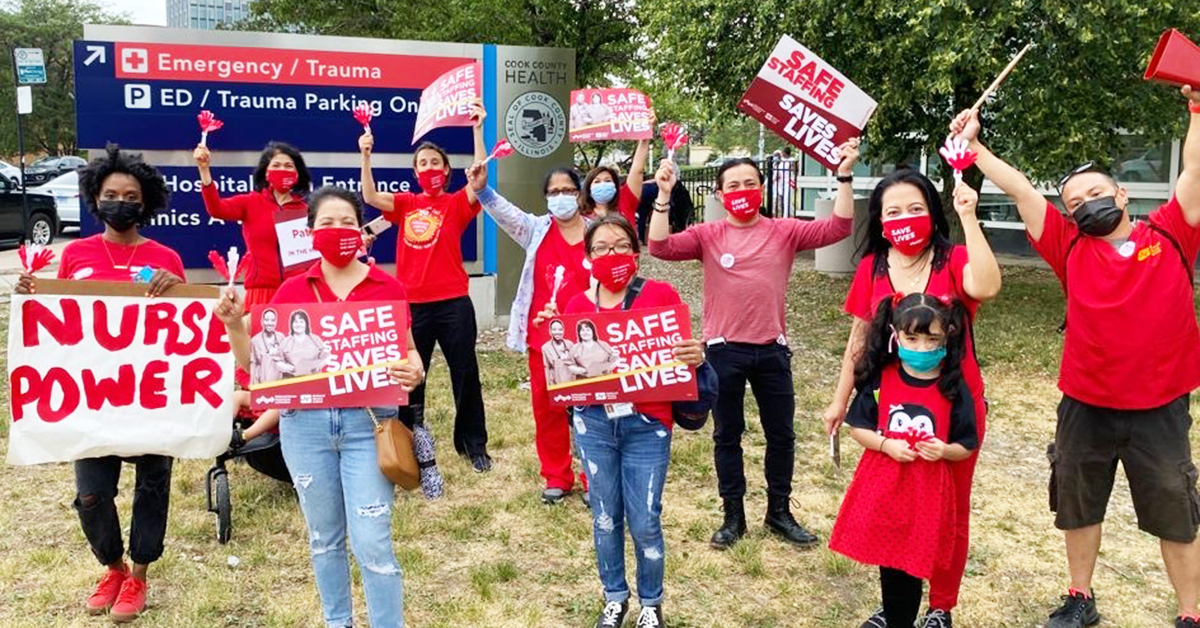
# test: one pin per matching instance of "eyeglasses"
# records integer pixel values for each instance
(1088, 167)
(566, 192)
(620, 248)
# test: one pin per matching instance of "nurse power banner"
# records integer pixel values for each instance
(327, 355)
(617, 357)
(807, 102)
(97, 369)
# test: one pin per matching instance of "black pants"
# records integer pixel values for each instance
(96, 485)
(768, 368)
(901, 596)
(451, 324)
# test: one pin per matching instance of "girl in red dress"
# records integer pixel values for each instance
(913, 415)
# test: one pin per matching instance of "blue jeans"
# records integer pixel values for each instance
(626, 460)
(331, 456)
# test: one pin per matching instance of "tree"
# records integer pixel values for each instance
(1070, 100)
(51, 25)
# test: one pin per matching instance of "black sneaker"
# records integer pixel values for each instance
(936, 618)
(875, 621)
(613, 615)
(1077, 610)
(1187, 622)
(482, 463)
(651, 617)
(553, 496)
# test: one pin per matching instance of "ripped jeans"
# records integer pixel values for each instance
(331, 456)
(626, 461)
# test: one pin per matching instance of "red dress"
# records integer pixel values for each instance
(901, 514)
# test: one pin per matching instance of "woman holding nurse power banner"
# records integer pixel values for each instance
(429, 262)
(331, 452)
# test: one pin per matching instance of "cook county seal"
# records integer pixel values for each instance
(535, 124)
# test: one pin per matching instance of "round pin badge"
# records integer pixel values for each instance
(727, 260)
(1127, 249)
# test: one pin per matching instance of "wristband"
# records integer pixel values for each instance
(846, 179)
(1193, 106)
(661, 208)
(882, 443)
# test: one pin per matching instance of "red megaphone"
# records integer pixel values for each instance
(1176, 60)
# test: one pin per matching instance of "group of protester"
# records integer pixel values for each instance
(910, 387)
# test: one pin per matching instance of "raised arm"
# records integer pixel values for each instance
(517, 223)
(479, 114)
(981, 275)
(1031, 205)
(371, 194)
(843, 205)
(233, 208)
(663, 245)
(1187, 190)
(637, 169)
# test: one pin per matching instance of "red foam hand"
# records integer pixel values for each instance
(243, 267)
(208, 121)
(956, 153)
(673, 135)
(218, 262)
(912, 436)
(503, 149)
(34, 257)
(362, 113)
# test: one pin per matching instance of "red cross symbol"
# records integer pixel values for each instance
(133, 60)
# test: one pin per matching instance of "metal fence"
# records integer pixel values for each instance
(781, 191)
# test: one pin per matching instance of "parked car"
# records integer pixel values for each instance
(10, 172)
(43, 216)
(65, 190)
(47, 168)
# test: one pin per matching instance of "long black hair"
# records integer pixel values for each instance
(303, 178)
(914, 314)
(155, 194)
(874, 243)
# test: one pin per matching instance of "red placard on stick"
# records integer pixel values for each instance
(447, 101)
(618, 356)
(807, 102)
(327, 355)
(610, 114)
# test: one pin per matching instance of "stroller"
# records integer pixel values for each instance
(262, 453)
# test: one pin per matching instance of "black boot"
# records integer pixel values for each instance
(734, 527)
(780, 521)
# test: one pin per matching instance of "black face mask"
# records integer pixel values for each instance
(120, 215)
(1098, 217)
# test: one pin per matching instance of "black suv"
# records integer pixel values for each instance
(43, 215)
(47, 168)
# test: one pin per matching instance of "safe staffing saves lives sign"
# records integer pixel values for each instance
(807, 102)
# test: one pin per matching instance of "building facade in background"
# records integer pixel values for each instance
(206, 14)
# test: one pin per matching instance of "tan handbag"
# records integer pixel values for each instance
(394, 449)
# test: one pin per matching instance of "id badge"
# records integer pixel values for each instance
(618, 410)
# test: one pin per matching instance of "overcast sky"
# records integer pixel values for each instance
(140, 11)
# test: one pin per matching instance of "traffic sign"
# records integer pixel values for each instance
(30, 64)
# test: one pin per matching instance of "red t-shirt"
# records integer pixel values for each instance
(259, 213)
(653, 294)
(1131, 340)
(867, 291)
(627, 204)
(428, 249)
(554, 252)
(94, 259)
(376, 286)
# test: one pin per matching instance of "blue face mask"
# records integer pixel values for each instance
(922, 361)
(561, 206)
(604, 191)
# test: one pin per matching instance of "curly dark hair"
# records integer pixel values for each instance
(873, 242)
(915, 314)
(155, 195)
(303, 178)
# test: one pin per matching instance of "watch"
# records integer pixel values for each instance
(846, 179)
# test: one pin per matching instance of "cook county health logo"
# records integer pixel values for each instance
(535, 124)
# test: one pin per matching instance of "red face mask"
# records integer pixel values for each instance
(614, 271)
(743, 204)
(910, 235)
(431, 181)
(338, 245)
(282, 180)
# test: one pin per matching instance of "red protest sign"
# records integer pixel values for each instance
(618, 356)
(807, 102)
(610, 114)
(327, 355)
(447, 101)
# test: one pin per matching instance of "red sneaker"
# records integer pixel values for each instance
(130, 601)
(106, 591)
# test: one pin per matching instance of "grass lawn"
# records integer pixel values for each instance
(490, 554)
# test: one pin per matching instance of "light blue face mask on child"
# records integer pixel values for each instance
(921, 361)
(604, 191)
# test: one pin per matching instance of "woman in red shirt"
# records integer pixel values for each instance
(330, 452)
(600, 187)
(625, 447)
(273, 217)
(123, 193)
(907, 249)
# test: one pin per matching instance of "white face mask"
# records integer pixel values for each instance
(561, 206)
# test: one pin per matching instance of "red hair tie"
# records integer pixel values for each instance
(896, 297)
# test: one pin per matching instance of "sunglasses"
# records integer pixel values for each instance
(1088, 167)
